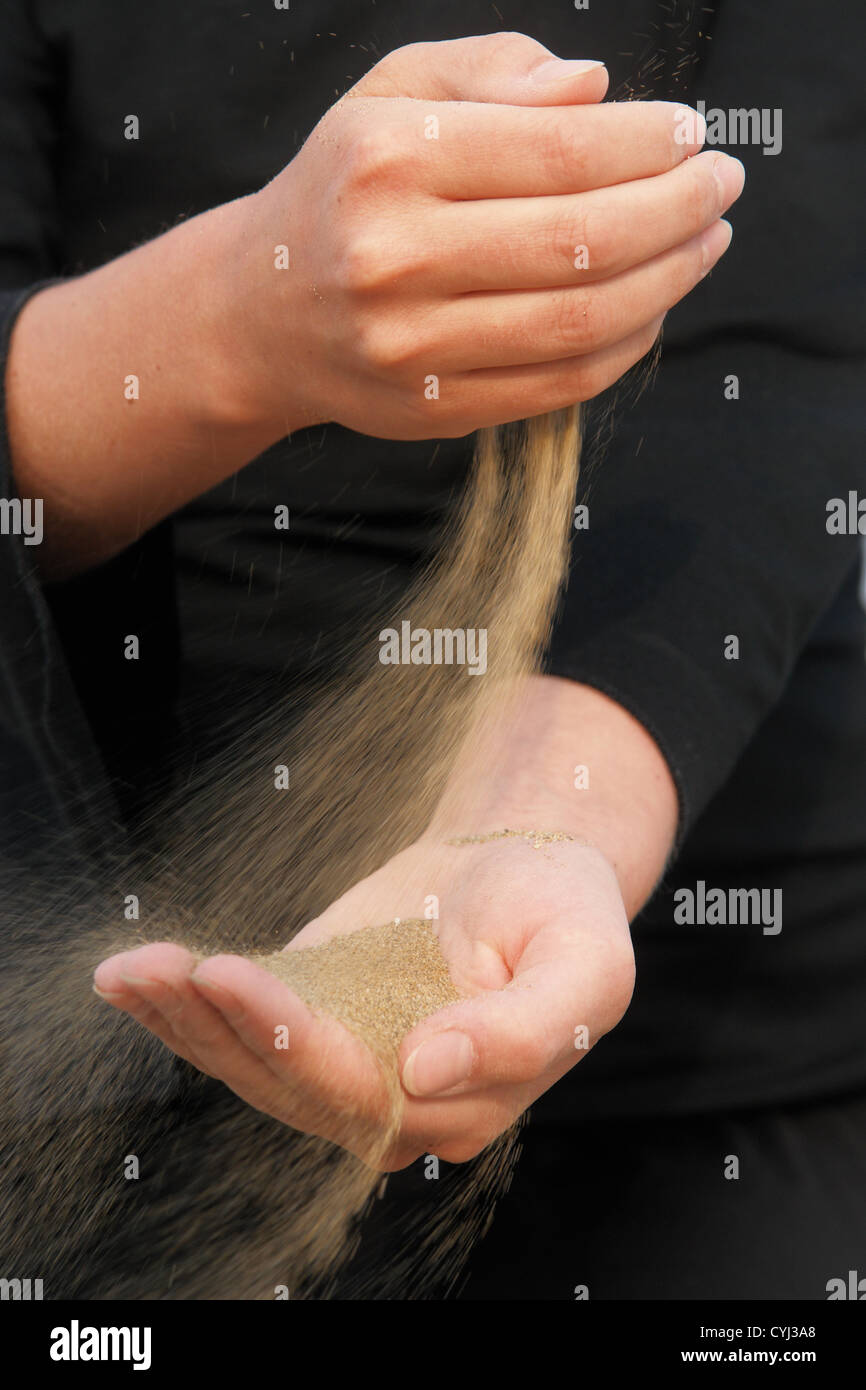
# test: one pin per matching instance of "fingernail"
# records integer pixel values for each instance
(715, 243)
(558, 69)
(205, 983)
(730, 176)
(109, 995)
(439, 1064)
(221, 998)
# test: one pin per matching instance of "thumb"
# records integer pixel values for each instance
(541, 1023)
(510, 69)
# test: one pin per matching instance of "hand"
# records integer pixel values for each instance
(453, 257)
(537, 937)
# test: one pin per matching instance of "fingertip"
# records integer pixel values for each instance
(563, 81)
(102, 975)
(108, 977)
(690, 130)
(116, 998)
(203, 978)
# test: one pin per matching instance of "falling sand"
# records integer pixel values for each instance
(232, 1203)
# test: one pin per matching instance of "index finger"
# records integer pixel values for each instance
(482, 150)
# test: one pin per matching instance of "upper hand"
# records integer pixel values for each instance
(458, 257)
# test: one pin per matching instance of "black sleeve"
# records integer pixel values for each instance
(30, 126)
(708, 508)
(54, 796)
(37, 787)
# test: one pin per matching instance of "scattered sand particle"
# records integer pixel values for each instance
(536, 838)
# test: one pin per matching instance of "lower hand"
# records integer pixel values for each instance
(537, 938)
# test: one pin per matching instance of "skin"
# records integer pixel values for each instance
(408, 257)
(540, 939)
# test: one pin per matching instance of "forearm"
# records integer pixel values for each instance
(624, 804)
(124, 393)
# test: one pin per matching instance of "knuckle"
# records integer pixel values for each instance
(702, 195)
(589, 378)
(556, 151)
(397, 71)
(584, 381)
(383, 346)
(650, 336)
(374, 257)
(587, 227)
(565, 232)
(530, 1058)
(688, 272)
(674, 124)
(374, 157)
(360, 266)
(577, 321)
(391, 61)
(510, 43)
(363, 264)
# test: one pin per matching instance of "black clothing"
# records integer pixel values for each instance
(707, 514)
(739, 1205)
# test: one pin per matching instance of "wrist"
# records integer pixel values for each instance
(259, 383)
(574, 761)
